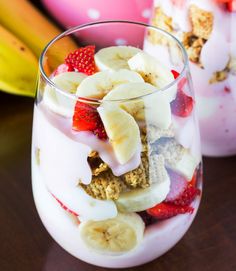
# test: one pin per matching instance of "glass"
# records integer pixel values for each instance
(207, 30)
(126, 191)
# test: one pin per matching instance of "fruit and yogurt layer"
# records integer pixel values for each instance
(119, 160)
(207, 30)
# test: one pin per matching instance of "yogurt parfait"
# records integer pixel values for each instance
(207, 30)
(116, 164)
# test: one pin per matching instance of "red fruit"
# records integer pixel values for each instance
(100, 131)
(64, 207)
(82, 60)
(182, 81)
(63, 68)
(175, 73)
(86, 118)
(147, 219)
(167, 210)
(182, 106)
(227, 89)
(231, 6)
(188, 195)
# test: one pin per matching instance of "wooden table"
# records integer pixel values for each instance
(210, 244)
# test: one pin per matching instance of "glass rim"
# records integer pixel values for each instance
(94, 100)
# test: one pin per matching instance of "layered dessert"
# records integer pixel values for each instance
(116, 165)
(206, 29)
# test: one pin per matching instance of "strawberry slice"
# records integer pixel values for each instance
(188, 194)
(63, 68)
(86, 118)
(175, 73)
(64, 207)
(168, 210)
(82, 60)
(182, 106)
(147, 219)
(231, 6)
(182, 82)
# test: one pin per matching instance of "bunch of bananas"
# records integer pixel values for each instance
(24, 32)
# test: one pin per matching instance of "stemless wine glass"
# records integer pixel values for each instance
(206, 29)
(116, 159)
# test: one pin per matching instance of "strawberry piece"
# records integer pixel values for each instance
(100, 131)
(64, 207)
(86, 118)
(168, 210)
(231, 6)
(147, 219)
(63, 68)
(182, 106)
(182, 82)
(178, 184)
(188, 194)
(82, 60)
(175, 73)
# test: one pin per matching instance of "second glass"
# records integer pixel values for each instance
(116, 159)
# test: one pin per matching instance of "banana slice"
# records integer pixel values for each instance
(140, 199)
(113, 236)
(57, 102)
(99, 84)
(153, 72)
(122, 130)
(129, 91)
(115, 57)
(154, 108)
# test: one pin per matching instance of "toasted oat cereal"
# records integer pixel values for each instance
(151, 170)
(97, 165)
(104, 186)
(219, 76)
(93, 154)
(138, 177)
(232, 65)
(161, 20)
(193, 46)
(151, 133)
(202, 21)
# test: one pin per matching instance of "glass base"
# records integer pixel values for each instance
(62, 226)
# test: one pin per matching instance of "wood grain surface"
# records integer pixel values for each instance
(210, 244)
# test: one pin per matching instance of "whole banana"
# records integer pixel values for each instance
(34, 29)
(18, 65)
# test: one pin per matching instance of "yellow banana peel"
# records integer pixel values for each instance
(18, 65)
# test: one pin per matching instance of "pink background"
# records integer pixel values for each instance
(75, 12)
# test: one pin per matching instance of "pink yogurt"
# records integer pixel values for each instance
(216, 103)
